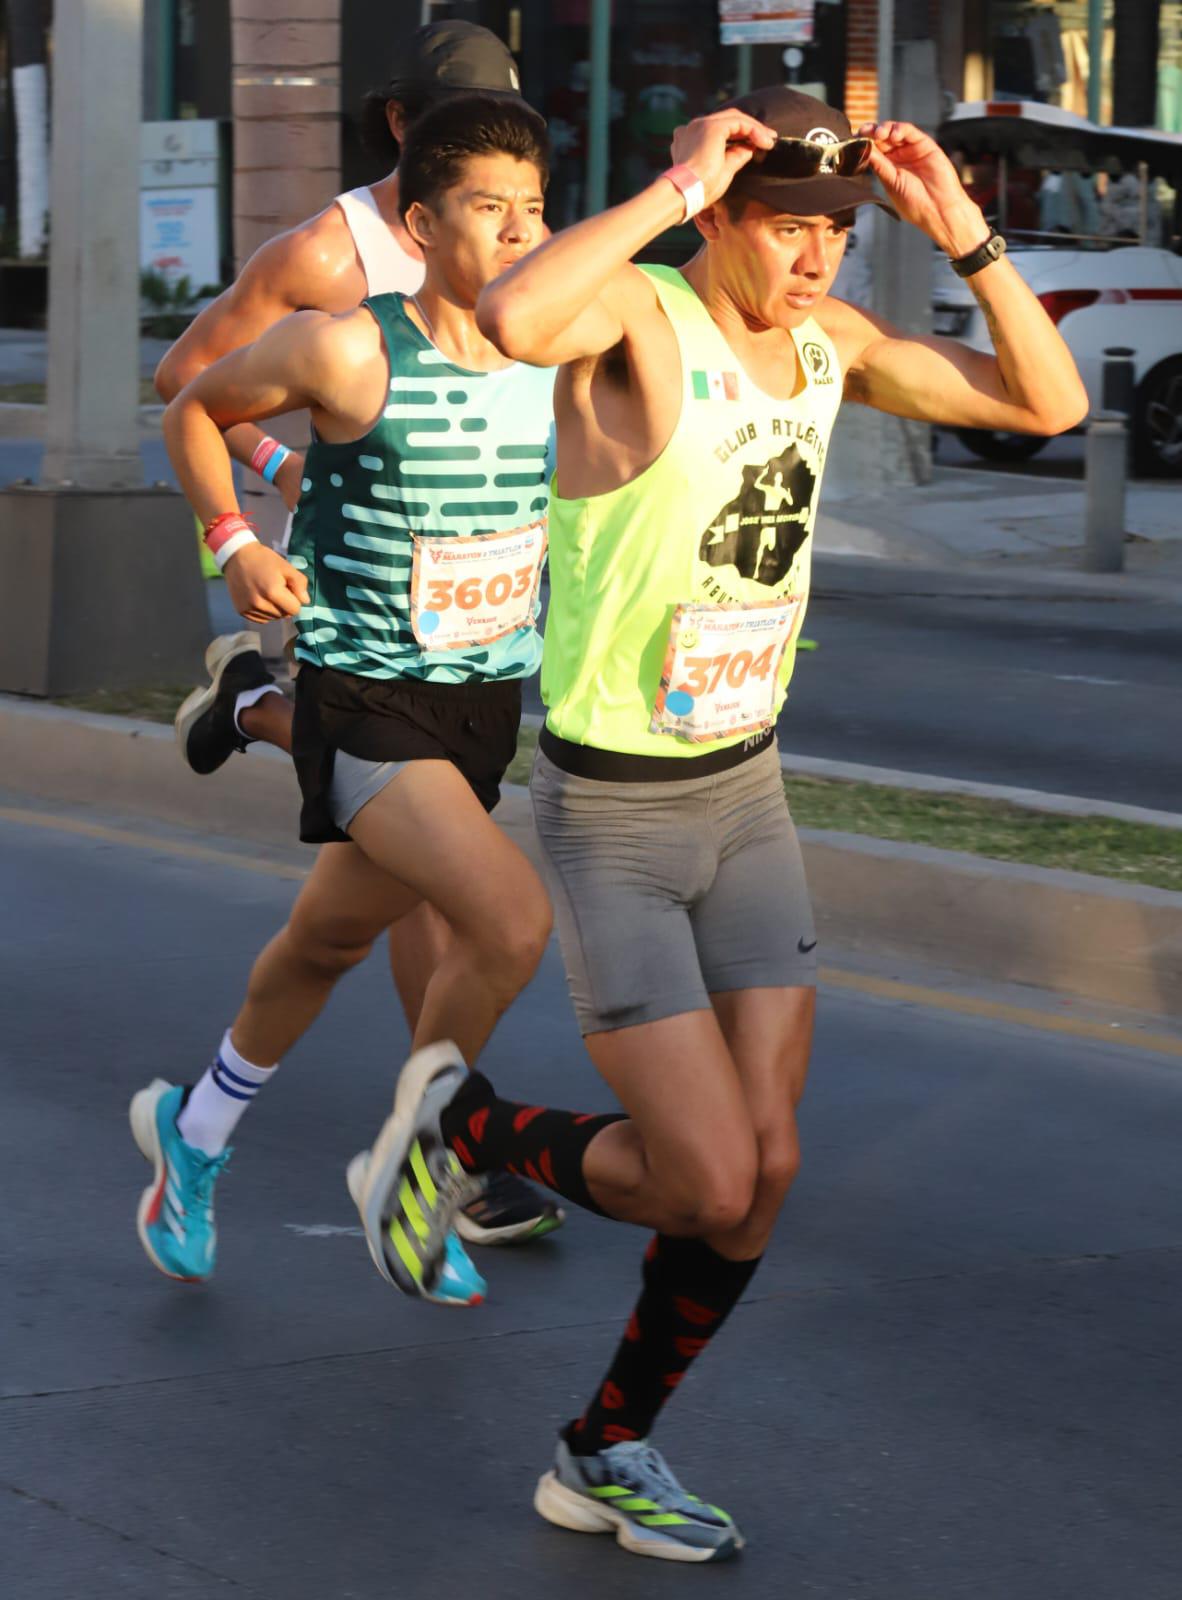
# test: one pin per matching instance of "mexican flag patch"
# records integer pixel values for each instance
(715, 385)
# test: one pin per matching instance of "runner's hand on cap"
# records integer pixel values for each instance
(263, 586)
(924, 186)
(720, 145)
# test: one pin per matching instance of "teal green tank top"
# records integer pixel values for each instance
(676, 600)
(428, 529)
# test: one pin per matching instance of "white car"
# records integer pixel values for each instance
(1128, 296)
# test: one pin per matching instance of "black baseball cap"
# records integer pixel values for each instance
(452, 55)
(801, 116)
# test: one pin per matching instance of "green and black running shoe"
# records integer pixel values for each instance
(507, 1210)
(630, 1490)
(409, 1187)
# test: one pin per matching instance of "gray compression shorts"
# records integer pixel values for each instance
(668, 892)
(354, 783)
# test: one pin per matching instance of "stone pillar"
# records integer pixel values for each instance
(93, 383)
(101, 583)
(872, 453)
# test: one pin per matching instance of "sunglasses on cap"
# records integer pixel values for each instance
(807, 158)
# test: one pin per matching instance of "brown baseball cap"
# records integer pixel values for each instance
(801, 116)
(453, 55)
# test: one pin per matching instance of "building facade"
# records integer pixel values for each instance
(667, 63)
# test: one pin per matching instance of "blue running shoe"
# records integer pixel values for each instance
(175, 1217)
(459, 1283)
(629, 1490)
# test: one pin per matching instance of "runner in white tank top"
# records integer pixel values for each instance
(355, 247)
(388, 267)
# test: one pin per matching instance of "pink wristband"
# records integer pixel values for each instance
(263, 452)
(687, 183)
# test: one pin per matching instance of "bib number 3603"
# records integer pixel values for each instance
(469, 590)
(722, 667)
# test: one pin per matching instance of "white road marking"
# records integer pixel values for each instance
(1082, 677)
(323, 1230)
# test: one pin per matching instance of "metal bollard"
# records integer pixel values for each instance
(1106, 460)
(1117, 385)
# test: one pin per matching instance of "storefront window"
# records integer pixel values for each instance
(1040, 52)
(667, 66)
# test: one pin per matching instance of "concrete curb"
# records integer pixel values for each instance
(1065, 932)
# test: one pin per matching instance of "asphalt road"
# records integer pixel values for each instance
(956, 1374)
(988, 678)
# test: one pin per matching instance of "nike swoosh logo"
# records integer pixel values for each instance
(805, 948)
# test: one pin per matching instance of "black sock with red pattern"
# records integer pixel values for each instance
(489, 1134)
(689, 1290)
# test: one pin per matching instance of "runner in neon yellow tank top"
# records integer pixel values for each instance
(693, 413)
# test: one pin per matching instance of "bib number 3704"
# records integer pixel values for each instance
(722, 667)
(470, 590)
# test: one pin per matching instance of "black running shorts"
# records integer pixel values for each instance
(379, 724)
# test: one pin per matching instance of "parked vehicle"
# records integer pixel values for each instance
(1102, 290)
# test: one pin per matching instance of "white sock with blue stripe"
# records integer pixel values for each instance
(213, 1108)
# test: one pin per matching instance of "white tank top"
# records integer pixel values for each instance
(387, 267)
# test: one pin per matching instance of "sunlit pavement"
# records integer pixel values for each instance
(956, 1373)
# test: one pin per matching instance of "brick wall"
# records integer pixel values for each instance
(861, 73)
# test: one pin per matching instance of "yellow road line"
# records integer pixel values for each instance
(147, 841)
(998, 1011)
(882, 988)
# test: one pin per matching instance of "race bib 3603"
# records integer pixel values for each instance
(721, 668)
(469, 590)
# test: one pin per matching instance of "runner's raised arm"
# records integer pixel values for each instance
(300, 269)
(296, 363)
(1029, 384)
(574, 296)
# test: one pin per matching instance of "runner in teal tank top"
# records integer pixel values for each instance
(414, 573)
(457, 456)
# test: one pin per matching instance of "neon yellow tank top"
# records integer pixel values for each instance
(722, 518)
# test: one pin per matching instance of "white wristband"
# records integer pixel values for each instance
(237, 541)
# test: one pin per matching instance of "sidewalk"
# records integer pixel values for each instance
(1030, 527)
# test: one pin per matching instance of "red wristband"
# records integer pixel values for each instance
(222, 529)
(687, 183)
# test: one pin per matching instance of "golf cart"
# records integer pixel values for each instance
(1101, 256)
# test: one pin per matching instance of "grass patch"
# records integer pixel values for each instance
(527, 743)
(1129, 851)
(33, 394)
(157, 704)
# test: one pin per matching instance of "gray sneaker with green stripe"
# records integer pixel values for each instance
(410, 1186)
(630, 1490)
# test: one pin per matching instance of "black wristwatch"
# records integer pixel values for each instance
(982, 256)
